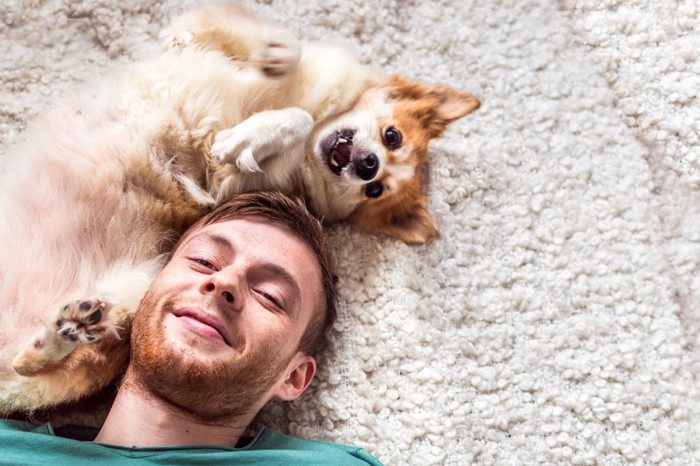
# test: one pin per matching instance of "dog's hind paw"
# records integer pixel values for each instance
(84, 321)
(80, 322)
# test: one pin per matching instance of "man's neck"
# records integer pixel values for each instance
(140, 420)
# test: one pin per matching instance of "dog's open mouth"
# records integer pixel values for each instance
(337, 150)
(340, 155)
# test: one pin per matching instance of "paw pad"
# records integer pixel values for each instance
(83, 321)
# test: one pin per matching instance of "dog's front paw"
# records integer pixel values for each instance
(279, 55)
(262, 135)
(236, 146)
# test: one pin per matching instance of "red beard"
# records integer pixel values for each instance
(210, 391)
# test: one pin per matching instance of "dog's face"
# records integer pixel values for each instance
(375, 153)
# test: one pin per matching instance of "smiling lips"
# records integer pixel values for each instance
(202, 323)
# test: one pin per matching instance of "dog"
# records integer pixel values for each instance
(101, 188)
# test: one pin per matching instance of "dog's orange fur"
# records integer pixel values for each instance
(422, 113)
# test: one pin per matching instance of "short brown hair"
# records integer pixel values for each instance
(292, 214)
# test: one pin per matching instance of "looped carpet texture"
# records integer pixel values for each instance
(557, 319)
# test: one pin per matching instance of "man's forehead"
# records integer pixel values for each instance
(227, 232)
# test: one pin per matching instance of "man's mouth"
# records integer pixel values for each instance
(198, 321)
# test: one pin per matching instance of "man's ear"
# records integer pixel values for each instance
(299, 374)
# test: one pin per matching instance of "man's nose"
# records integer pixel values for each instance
(224, 288)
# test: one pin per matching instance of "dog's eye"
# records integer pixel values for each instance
(392, 137)
(374, 189)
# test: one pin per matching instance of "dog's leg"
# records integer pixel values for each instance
(84, 321)
(239, 35)
(265, 135)
(279, 54)
(74, 324)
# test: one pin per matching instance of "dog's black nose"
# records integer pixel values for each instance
(367, 168)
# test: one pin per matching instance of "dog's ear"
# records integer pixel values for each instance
(413, 224)
(452, 104)
(414, 227)
(435, 106)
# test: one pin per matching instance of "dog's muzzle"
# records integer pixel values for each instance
(340, 151)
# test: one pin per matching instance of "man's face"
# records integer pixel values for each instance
(217, 331)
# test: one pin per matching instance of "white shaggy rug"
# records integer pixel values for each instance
(557, 320)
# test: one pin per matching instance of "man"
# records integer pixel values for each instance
(232, 321)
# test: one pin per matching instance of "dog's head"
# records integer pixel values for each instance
(374, 154)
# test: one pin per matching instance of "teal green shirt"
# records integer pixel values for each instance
(27, 444)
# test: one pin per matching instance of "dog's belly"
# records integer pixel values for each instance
(79, 213)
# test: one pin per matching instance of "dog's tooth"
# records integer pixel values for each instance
(333, 162)
(342, 141)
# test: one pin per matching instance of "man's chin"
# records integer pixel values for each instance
(204, 379)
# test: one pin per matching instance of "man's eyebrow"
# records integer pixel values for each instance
(221, 240)
(216, 238)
